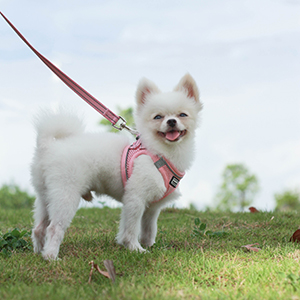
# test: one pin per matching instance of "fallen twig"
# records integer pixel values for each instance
(91, 272)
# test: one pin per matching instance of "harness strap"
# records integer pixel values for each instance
(161, 162)
(88, 98)
(170, 174)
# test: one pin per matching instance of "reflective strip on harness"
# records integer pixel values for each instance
(169, 173)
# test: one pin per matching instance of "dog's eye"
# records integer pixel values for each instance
(183, 115)
(157, 117)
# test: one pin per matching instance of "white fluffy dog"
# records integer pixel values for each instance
(68, 164)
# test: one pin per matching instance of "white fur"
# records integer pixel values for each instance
(69, 163)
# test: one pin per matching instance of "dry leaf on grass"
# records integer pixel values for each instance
(109, 267)
(253, 209)
(104, 273)
(296, 236)
(249, 247)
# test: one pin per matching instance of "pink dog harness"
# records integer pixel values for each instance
(169, 173)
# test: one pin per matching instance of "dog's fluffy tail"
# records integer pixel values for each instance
(51, 126)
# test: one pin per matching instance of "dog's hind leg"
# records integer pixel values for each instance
(60, 215)
(41, 222)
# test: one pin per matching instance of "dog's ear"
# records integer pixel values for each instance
(188, 84)
(145, 87)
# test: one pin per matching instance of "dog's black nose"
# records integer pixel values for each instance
(171, 122)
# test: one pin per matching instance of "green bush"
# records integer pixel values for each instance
(11, 196)
(288, 200)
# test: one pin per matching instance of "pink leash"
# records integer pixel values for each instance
(88, 98)
(170, 174)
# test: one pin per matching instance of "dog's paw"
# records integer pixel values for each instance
(147, 242)
(140, 249)
(132, 246)
(135, 247)
(37, 247)
(50, 255)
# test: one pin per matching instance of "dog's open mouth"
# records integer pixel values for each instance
(173, 135)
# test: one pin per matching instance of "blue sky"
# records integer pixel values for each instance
(244, 56)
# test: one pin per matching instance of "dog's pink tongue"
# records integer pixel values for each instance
(172, 135)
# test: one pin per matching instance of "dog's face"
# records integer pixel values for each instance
(171, 127)
(167, 118)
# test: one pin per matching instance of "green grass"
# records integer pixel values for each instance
(178, 266)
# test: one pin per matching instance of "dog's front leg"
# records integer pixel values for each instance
(149, 225)
(149, 219)
(145, 185)
(130, 223)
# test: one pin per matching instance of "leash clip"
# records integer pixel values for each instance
(124, 126)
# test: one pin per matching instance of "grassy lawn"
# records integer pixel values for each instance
(178, 266)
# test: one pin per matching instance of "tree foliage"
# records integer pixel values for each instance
(11, 196)
(126, 113)
(238, 189)
(287, 200)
